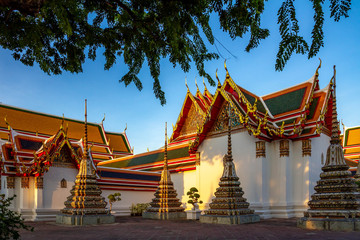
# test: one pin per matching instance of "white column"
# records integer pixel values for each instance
(263, 177)
(281, 192)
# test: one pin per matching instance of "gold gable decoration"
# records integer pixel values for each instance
(221, 123)
(192, 122)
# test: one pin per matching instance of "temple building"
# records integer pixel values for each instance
(41, 154)
(278, 142)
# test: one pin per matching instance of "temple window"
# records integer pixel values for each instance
(30, 145)
(63, 183)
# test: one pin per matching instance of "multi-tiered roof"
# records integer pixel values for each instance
(306, 114)
(32, 142)
(31, 139)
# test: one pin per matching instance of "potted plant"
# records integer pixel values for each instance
(194, 200)
(114, 198)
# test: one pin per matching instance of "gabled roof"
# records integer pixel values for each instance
(179, 159)
(42, 124)
(193, 105)
(296, 112)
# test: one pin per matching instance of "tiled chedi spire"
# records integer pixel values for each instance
(85, 198)
(229, 198)
(336, 192)
(165, 200)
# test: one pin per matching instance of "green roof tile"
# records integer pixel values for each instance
(151, 158)
(286, 102)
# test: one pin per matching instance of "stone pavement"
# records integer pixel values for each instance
(139, 228)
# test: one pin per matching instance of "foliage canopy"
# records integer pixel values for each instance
(60, 34)
(114, 198)
(194, 196)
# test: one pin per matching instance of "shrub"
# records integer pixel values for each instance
(138, 209)
(194, 197)
(10, 221)
(114, 198)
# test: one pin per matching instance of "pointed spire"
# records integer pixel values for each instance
(165, 151)
(86, 134)
(335, 124)
(229, 153)
(62, 121)
(219, 83)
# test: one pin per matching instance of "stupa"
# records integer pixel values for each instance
(85, 205)
(335, 205)
(165, 205)
(229, 206)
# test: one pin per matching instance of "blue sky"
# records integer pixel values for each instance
(30, 88)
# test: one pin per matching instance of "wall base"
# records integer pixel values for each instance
(164, 215)
(346, 225)
(236, 219)
(81, 220)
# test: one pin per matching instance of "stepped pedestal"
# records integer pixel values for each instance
(165, 205)
(336, 203)
(229, 206)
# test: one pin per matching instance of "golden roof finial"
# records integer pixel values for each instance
(186, 85)
(102, 121)
(204, 84)
(197, 87)
(62, 121)
(125, 127)
(219, 84)
(8, 125)
(227, 72)
(317, 69)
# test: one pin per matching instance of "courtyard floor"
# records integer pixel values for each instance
(139, 228)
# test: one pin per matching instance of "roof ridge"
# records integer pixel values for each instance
(309, 80)
(45, 114)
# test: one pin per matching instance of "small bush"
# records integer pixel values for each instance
(138, 209)
(10, 221)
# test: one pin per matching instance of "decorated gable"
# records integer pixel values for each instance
(192, 122)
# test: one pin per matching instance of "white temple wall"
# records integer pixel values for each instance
(123, 207)
(54, 195)
(300, 173)
(183, 181)
(212, 151)
(319, 147)
(274, 186)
